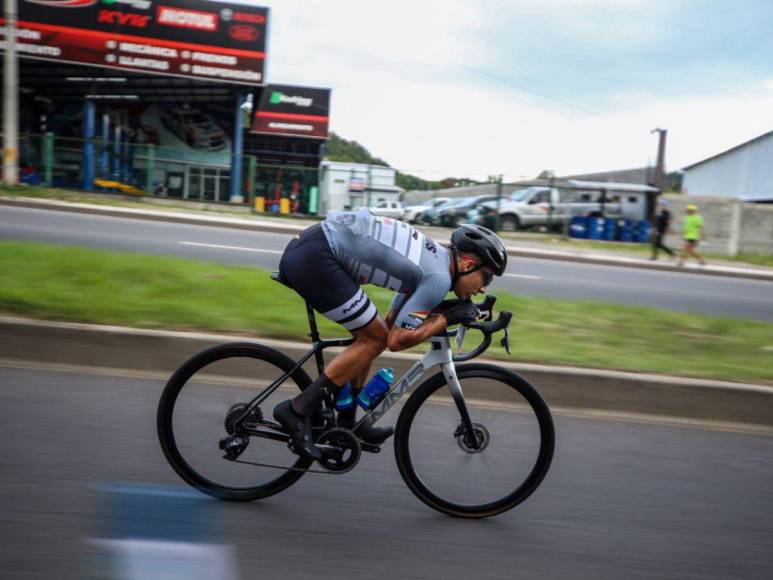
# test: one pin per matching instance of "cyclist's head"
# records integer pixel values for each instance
(476, 249)
(482, 242)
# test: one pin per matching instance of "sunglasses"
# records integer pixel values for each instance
(488, 277)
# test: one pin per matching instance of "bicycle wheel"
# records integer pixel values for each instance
(192, 413)
(511, 419)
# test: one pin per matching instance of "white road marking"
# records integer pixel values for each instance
(231, 248)
(525, 276)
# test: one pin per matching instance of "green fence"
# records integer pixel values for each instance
(151, 169)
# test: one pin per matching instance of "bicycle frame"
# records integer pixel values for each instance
(440, 354)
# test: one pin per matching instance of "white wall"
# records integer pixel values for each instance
(746, 172)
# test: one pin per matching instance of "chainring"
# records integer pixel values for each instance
(347, 443)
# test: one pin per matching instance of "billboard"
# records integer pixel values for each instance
(200, 39)
(293, 111)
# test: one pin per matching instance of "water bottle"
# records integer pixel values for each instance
(344, 400)
(374, 391)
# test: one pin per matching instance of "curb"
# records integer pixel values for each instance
(288, 228)
(36, 341)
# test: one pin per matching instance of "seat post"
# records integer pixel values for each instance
(314, 334)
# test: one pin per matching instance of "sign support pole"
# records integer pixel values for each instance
(10, 98)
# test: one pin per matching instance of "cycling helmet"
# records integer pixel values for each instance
(483, 242)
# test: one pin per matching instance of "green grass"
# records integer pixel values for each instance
(74, 284)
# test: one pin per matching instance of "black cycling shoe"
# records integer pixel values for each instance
(298, 428)
(377, 435)
(374, 435)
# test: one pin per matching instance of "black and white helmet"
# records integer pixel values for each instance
(483, 242)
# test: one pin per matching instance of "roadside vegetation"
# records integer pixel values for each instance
(82, 285)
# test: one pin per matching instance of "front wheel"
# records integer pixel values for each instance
(515, 434)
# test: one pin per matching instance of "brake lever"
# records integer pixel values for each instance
(506, 341)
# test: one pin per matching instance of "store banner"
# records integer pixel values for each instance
(293, 111)
(200, 39)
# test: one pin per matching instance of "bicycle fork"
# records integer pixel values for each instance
(449, 373)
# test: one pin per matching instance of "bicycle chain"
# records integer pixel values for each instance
(321, 471)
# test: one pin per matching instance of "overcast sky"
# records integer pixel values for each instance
(475, 88)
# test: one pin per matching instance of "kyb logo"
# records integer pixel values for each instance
(195, 19)
(137, 4)
(115, 17)
(64, 3)
(277, 98)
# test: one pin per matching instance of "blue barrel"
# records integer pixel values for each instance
(610, 229)
(625, 232)
(595, 228)
(642, 232)
(578, 227)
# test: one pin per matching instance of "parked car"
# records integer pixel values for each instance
(414, 213)
(430, 215)
(195, 127)
(392, 209)
(456, 213)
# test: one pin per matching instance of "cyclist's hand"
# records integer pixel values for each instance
(463, 313)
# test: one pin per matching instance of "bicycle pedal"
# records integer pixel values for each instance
(369, 447)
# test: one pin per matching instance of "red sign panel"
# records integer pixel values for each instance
(201, 39)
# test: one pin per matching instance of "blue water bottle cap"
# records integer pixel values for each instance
(387, 374)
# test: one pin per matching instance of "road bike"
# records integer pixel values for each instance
(473, 440)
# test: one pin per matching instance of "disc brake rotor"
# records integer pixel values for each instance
(481, 435)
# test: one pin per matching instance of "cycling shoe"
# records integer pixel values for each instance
(298, 428)
(377, 435)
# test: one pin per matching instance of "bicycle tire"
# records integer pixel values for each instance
(405, 462)
(165, 427)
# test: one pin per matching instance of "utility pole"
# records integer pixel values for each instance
(660, 167)
(10, 99)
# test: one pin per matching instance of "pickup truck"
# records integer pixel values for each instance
(392, 209)
(546, 206)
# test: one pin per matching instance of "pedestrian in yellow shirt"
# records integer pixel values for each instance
(692, 228)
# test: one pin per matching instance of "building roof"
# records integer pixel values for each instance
(760, 138)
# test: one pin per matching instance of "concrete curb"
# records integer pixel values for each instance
(690, 399)
(289, 228)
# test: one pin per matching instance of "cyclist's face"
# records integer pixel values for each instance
(475, 282)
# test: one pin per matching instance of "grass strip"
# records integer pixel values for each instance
(105, 287)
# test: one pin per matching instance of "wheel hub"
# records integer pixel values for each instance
(482, 437)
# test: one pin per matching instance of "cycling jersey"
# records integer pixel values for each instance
(366, 249)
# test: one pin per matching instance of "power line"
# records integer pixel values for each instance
(532, 91)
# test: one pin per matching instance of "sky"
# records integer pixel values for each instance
(472, 88)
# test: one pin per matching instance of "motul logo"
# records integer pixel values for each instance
(64, 3)
(187, 18)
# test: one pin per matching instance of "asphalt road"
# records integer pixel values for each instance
(622, 499)
(712, 295)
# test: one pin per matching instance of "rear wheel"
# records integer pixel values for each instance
(515, 441)
(198, 408)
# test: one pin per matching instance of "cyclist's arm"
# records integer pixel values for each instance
(413, 323)
(402, 338)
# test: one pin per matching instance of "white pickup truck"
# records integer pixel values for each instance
(392, 209)
(550, 206)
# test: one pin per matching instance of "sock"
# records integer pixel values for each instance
(310, 398)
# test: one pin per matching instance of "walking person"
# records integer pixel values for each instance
(662, 227)
(693, 231)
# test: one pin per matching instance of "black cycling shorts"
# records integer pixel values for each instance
(309, 267)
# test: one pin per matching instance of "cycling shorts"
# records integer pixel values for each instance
(310, 268)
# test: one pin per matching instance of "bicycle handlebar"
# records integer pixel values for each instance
(488, 328)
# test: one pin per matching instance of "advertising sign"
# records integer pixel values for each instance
(201, 39)
(293, 111)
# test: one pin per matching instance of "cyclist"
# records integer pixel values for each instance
(327, 263)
